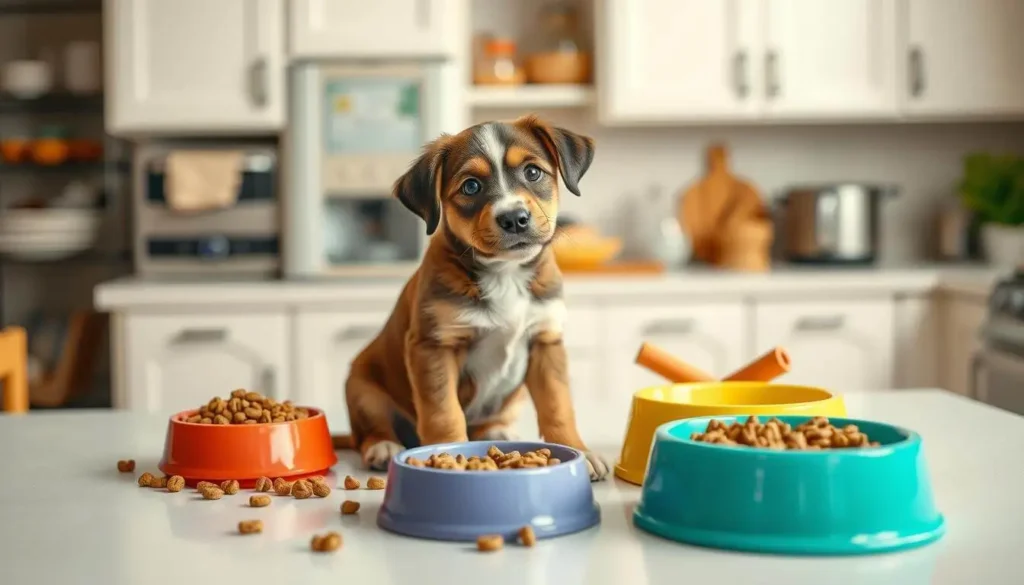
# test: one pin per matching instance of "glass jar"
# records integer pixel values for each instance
(560, 31)
(561, 57)
(498, 65)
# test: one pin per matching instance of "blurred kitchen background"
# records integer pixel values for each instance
(843, 178)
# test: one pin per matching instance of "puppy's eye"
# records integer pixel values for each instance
(532, 173)
(471, 187)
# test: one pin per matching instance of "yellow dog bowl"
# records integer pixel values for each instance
(657, 405)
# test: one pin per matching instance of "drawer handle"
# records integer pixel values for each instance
(201, 336)
(357, 332)
(829, 323)
(669, 327)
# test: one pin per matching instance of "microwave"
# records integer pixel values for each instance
(354, 129)
(242, 239)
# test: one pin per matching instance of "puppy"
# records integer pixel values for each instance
(479, 325)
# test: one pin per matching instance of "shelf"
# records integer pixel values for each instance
(59, 102)
(31, 7)
(68, 167)
(531, 96)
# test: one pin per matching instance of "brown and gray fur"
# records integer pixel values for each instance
(478, 327)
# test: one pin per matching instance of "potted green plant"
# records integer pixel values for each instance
(993, 189)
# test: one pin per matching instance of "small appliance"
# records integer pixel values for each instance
(837, 223)
(242, 239)
(997, 370)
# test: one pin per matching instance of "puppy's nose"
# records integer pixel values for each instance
(515, 221)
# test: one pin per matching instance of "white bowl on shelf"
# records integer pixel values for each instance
(27, 79)
(40, 235)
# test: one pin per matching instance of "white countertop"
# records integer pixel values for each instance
(139, 293)
(68, 517)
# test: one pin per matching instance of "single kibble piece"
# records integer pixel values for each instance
(526, 536)
(321, 489)
(212, 493)
(126, 465)
(158, 482)
(376, 483)
(250, 526)
(175, 483)
(259, 501)
(230, 487)
(146, 479)
(282, 487)
(205, 484)
(316, 478)
(349, 507)
(490, 543)
(264, 484)
(351, 483)
(554, 461)
(329, 542)
(301, 490)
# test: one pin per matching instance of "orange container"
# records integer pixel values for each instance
(290, 450)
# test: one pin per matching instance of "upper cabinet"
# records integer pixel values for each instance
(377, 28)
(679, 59)
(965, 58)
(744, 60)
(194, 66)
(830, 59)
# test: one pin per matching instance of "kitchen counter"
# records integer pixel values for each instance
(68, 517)
(128, 293)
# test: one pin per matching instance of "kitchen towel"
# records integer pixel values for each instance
(202, 180)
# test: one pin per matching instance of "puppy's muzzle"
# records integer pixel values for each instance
(515, 221)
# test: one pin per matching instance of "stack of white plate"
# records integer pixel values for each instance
(39, 235)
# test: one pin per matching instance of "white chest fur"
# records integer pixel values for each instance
(506, 320)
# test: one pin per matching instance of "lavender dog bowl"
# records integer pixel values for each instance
(462, 505)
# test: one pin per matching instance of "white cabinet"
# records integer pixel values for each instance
(194, 66)
(178, 362)
(679, 60)
(964, 58)
(379, 28)
(326, 342)
(711, 336)
(835, 58)
(843, 345)
(962, 317)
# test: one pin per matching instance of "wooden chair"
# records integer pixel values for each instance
(14, 369)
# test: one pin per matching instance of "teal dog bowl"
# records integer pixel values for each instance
(828, 502)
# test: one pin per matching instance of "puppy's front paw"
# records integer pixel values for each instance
(378, 455)
(597, 466)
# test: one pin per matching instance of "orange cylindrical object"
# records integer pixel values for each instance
(668, 366)
(766, 368)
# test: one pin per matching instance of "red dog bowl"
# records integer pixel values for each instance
(207, 452)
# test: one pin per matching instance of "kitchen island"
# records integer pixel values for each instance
(69, 517)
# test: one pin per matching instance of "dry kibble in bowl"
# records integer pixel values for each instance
(490, 543)
(126, 465)
(328, 542)
(348, 507)
(495, 460)
(250, 526)
(813, 435)
(244, 407)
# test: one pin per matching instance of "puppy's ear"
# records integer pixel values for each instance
(572, 152)
(419, 189)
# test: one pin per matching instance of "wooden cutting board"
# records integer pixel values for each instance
(707, 207)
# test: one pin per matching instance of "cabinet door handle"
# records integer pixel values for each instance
(740, 74)
(258, 82)
(669, 327)
(270, 382)
(826, 323)
(916, 70)
(771, 74)
(357, 332)
(201, 336)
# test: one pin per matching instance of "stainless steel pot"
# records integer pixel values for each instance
(834, 223)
